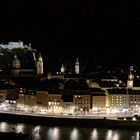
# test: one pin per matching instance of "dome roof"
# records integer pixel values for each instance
(16, 62)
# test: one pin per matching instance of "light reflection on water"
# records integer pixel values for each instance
(94, 134)
(53, 134)
(74, 134)
(70, 133)
(3, 126)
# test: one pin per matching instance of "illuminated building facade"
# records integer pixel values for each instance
(54, 103)
(81, 103)
(30, 100)
(42, 101)
(21, 99)
(99, 102)
(118, 100)
(134, 101)
(67, 107)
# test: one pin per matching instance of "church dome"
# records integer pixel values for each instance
(16, 62)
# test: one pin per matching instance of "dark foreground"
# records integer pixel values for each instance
(13, 136)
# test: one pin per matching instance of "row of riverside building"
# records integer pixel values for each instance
(78, 100)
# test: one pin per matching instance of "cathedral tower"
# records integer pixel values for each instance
(77, 66)
(39, 65)
(62, 69)
(15, 66)
(130, 80)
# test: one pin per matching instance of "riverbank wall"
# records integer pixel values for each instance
(68, 121)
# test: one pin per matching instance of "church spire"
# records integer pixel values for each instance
(62, 69)
(130, 79)
(40, 64)
(77, 66)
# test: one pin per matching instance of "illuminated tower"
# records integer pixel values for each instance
(130, 80)
(34, 58)
(16, 63)
(39, 65)
(77, 66)
(15, 66)
(62, 69)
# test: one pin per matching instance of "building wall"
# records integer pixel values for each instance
(118, 102)
(134, 102)
(81, 103)
(42, 101)
(98, 103)
(67, 107)
(54, 103)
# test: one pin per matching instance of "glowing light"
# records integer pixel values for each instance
(116, 136)
(94, 135)
(137, 135)
(3, 127)
(134, 119)
(54, 134)
(20, 128)
(74, 134)
(109, 135)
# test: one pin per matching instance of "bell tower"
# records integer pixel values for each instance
(130, 79)
(39, 65)
(77, 66)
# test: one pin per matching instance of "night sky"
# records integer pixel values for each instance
(105, 30)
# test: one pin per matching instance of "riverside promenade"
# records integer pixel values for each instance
(71, 120)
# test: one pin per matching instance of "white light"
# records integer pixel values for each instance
(116, 136)
(94, 134)
(20, 128)
(74, 134)
(36, 134)
(54, 134)
(124, 118)
(3, 127)
(109, 135)
(37, 128)
(134, 119)
(137, 135)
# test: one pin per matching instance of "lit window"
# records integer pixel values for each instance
(49, 103)
(7, 101)
(14, 102)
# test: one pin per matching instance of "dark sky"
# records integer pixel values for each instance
(107, 30)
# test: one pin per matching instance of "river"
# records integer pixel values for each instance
(38, 132)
